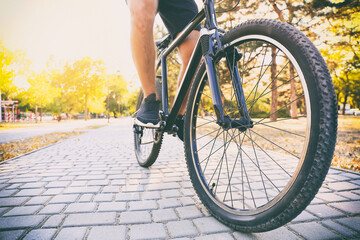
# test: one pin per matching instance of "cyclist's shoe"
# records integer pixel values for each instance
(148, 115)
(179, 122)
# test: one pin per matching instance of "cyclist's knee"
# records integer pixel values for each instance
(143, 13)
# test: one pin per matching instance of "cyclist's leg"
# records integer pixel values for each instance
(185, 50)
(142, 41)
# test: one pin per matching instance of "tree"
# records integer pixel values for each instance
(117, 93)
(343, 47)
(12, 64)
(81, 82)
(41, 92)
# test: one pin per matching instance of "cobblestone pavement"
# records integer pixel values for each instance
(91, 187)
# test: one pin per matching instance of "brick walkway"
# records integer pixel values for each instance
(91, 187)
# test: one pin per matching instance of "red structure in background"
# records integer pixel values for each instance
(8, 110)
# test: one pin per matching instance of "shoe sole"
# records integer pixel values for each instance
(147, 125)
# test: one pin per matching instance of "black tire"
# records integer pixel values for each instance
(262, 178)
(147, 153)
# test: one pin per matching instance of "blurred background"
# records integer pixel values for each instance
(65, 59)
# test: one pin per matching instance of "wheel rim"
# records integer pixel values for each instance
(250, 179)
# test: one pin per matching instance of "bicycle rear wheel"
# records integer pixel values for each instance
(259, 177)
(147, 141)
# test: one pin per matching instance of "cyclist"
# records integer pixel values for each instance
(175, 15)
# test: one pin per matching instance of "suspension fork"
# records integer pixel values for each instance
(208, 36)
(211, 45)
(232, 57)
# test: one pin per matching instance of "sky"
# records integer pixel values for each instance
(70, 30)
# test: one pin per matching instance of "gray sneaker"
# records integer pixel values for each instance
(148, 115)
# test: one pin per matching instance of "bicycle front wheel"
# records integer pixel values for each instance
(259, 177)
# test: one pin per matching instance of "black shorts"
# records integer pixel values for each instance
(176, 14)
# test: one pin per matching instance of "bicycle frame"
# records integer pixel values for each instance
(205, 48)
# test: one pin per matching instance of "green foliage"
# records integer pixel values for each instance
(117, 94)
(82, 85)
(12, 64)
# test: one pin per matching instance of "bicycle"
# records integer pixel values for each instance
(260, 122)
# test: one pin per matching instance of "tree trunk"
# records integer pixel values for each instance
(86, 110)
(36, 113)
(344, 103)
(274, 92)
(293, 105)
(41, 113)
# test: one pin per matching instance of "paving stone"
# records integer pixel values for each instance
(142, 205)
(53, 191)
(183, 228)
(52, 209)
(349, 195)
(3, 209)
(103, 197)
(218, 236)
(58, 184)
(210, 225)
(98, 182)
(169, 203)
(330, 197)
(38, 200)
(33, 185)
(85, 219)
(324, 211)
(29, 192)
(187, 192)
(170, 193)
(80, 207)
(13, 235)
(342, 186)
(163, 186)
(111, 189)
(151, 195)
(279, 233)
(135, 217)
(64, 198)
(188, 212)
(86, 197)
(186, 201)
(304, 216)
(92, 189)
(54, 221)
(24, 210)
(118, 182)
(109, 232)
(352, 207)
(112, 207)
(339, 228)
(24, 180)
(313, 231)
(147, 231)
(127, 197)
(7, 193)
(78, 183)
(12, 201)
(352, 222)
(164, 215)
(91, 177)
(20, 221)
(41, 234)
(75, 233)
